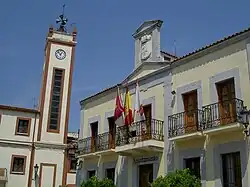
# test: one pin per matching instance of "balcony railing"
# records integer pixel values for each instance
(211, 116)
(185, 122)
(140, 131)
(137, 132)
(101, 142)
(222, 113)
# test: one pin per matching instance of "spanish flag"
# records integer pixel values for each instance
(128, 113)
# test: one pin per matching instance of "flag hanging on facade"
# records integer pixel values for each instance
(138, 108)
(128, 113)
(118, 114)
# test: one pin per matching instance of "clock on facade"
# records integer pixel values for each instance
(60, 54)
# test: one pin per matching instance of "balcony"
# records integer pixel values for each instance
(141, 137)
(89, 147)
(222, 116)
(185, 124)
(3, 175)
(213, 118)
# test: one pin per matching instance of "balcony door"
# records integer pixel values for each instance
(190, 114)
(112, 131)
(94, 136)
(148, 115)
(226, 104)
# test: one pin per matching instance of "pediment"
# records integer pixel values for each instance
(147, 25)
(143, 70)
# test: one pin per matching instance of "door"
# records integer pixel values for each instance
(190, 114)
(94, 136)
(148, 118)
(145, 175)
(112, 131)
(226, 101)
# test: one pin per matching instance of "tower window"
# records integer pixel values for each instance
(56, 100)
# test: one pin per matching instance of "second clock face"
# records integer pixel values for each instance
(60, 54)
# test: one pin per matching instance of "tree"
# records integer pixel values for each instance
(179, 178)
(95, 182)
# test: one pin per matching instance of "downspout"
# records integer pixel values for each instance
(32, 154)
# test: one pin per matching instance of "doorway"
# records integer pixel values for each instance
(145, 175)
(148, 118)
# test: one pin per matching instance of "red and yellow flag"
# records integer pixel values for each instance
(128, 113)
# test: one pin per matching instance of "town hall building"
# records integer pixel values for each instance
(193, 108)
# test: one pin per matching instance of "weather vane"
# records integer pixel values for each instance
(62, 20)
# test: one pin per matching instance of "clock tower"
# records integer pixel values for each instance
(56, 86)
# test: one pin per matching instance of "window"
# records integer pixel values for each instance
(55, 101)
(112, 130)
(194, 165)
(23, 126)
(110, 174)
(94, 135)
(72, 163)
(91, 173)
(0, 118)
(231, 168)
(18, 164)
(191, 113)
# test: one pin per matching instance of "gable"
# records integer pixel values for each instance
(147, 25)
(143, 70)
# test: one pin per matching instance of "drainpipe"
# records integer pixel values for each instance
(32, 154)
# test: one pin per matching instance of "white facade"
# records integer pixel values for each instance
(40, 136)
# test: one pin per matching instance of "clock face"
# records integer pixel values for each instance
(60, 54)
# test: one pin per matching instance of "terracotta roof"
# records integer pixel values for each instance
(169, 54)
(180, 58)
(18, 109)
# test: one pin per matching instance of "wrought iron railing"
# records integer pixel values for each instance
(185, 122)
(93, 144)
(222, 113)
(211, 116)
(140, 131)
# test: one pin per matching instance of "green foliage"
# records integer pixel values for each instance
(95, 182)
(179, 178)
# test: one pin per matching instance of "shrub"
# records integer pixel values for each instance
(95, 182)
(179, 178)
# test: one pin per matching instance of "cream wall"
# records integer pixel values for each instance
(233, 56)
(51, 156)
(64, 64)
(71, 178)
(5, 162)
(8, 125)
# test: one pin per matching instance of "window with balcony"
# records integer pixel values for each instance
(190, 111)
(110, 174)
(94, 136)
(112, 132)
(226, 101)
(194, 165)
(18, 164)
(23, 126)
(55, 101)
(91, 173)
(231, 168)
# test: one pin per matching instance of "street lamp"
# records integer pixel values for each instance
(36, 175)
(245, 119)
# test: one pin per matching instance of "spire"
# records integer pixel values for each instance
(62, 20)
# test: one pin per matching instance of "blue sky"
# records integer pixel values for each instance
(105, 50)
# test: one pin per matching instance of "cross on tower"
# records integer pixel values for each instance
(63, 21)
